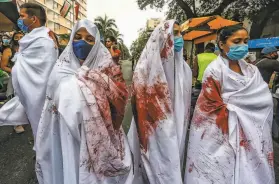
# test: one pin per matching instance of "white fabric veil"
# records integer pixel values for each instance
(161, 106)
(65, 152)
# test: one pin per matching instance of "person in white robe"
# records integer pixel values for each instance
(80, 137)
(162, 84)
(35, 60)
(230, 138)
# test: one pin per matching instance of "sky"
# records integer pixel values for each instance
(129, 18)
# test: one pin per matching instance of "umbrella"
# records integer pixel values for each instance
(204, 29)
(8, 15)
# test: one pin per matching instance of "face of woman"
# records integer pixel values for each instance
(108, 43)
(176, 30)
(83, 43)
(178, 40)
(18, 36)
(82, 34)
(240, 37)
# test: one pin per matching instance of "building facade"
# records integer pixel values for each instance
(152, 23)
(55, 22)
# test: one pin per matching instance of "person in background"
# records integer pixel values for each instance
(8, 60)
(111, 44)
(35, 60)
(250, 58)
(10, 51)
(268, 64)
(162, 84)
(133, 63)
(5, 41)
(230, 137)
(202, 61)
(1, 44)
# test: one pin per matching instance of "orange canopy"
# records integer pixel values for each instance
(204, 29)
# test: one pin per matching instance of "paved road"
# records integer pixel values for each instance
(16, 155)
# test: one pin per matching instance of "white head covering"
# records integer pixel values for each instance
(68, 64)
(80, 99)
(162, 92)
(98, 51)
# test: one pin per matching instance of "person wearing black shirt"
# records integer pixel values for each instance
(269, 63)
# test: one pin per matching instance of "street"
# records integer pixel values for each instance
(17, 157)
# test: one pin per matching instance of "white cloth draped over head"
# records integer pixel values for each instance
(35, 60)
(80, 139)
(161, 99)
(230, 138)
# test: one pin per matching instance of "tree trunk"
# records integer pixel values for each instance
(260, 20)
(186, 8)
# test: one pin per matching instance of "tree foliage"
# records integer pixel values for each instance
(139, 44)
(258, 11)
(108, 27)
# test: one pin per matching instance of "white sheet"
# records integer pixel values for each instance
(75, 143)
(161, 103)
(36, 57)
(230, 137)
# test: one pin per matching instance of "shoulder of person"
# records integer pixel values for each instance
(45, 43)
(213, 69)
(7, 51)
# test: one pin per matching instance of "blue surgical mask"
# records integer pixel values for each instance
(238, 52)
(22, 26)
(178, 43)
(6, 42)
(81, 49)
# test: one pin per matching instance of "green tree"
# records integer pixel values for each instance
(258, 11)
(106, 26)
(139, 44)
(125, 54)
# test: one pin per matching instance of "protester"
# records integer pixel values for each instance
(161, 104)
(8, 60)
(80, 137)
(250, 58)
(36, 57)
(202, 61)
(268, 64)
(9, 52)
(230, 138)
(111, 44)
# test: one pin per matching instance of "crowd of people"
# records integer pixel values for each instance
(75, 103)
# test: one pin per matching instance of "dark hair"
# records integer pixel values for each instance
(33, 9)
(113, 39)
(14, 43)
(210, 47)
(224, 33)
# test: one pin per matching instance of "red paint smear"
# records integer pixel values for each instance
(191, 168)
(211, 103)
(151, 105)
(270, 158)
(243, 140)
(167, 47)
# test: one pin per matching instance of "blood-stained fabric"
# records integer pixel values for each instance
(230, 138)
(80, 135)
(161, 96)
